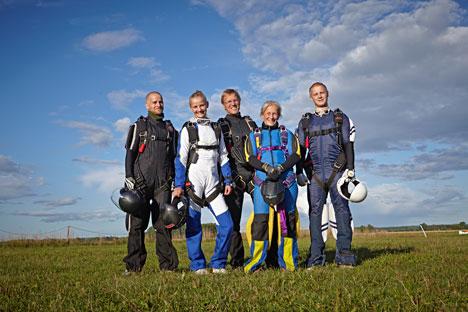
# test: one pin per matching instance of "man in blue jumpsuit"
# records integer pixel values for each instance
(273, 151)
(326, 138)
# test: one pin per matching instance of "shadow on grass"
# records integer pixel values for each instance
(364, 254)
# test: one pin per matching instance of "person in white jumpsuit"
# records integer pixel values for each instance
(200, 177)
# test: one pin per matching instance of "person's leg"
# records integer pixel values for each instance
(287, 250)
(316, 197)
(224, 227)
(165, 250)
(234, 201)
(259, 245)
(136, 250)
(343, 255)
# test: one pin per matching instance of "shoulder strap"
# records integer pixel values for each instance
(192, 132)
(258, 142)
(217, 129)
(225, 128)
(305, 123)
(338, 117)
(284, 140)
(250, 123)
(142, 129)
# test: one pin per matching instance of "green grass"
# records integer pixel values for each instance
(396, 272)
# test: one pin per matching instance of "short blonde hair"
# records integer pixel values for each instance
(268, 104)
(197, 93)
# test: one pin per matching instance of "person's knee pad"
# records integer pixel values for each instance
(260, 227)
(291, 224)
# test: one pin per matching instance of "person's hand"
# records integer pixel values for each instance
(348, 174)
(302, 179)
(227, 189)
(130, 183)
(177, 192)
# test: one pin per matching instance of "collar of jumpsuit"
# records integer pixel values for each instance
(320, 111)
(266, 127)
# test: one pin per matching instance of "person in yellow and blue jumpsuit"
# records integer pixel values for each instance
(273, 151)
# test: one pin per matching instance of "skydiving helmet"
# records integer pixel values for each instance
(174, 214)
(272, 192)
(129, 201)
(351, 189)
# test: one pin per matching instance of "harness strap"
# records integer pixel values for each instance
(337, 166)
(202, 201)
(284, 141)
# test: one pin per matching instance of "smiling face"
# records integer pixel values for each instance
(271, 114)
(231, 103)
(198, 106)
(319, 95)
(155, 103)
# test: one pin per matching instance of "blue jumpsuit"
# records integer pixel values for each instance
(273, 150)
(323, 149)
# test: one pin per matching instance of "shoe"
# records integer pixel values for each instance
(128, 272)
(346, 265)
(219, 271)
(201, 271)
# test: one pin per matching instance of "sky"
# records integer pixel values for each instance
(74, 75)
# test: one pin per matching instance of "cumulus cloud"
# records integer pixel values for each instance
(436, 164)
(149, 64)
(112, 40)
(121, 125)
(120, 99)
(104, 180)
(16, 181)
(385, 62)
(53, 217)
(91, 133)
(60, 202)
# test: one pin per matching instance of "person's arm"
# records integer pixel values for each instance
(349, 134)
(250, 156)
(224, 162)
(180, 162)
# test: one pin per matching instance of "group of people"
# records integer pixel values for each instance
(214, 163)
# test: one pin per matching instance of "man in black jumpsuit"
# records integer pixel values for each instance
(235, 130)
(149, 166)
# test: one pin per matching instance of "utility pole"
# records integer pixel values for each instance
(68, 234)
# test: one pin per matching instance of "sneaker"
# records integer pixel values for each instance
(220, 271)
(128, 272)
(201, 271)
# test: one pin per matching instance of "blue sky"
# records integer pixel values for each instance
(74, 75)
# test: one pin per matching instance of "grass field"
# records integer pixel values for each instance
(396, 272)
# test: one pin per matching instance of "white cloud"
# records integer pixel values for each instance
(104, 180)
(91, 134)
(142, 62)
(120, 99)
(93, 161)
(52, 217)
(149, 64)
(121, 125)
(112, 40)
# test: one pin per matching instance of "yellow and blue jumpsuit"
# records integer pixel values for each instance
(273, 145)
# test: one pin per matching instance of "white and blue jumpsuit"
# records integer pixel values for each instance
(204, 179)
(322, 150)
(275, 146)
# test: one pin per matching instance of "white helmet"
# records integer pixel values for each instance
(351, 189)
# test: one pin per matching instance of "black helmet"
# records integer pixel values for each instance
(129, 201)
(272, 192)
(174, 214)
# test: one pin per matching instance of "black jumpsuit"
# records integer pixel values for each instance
(235, 130)
(152, 166)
